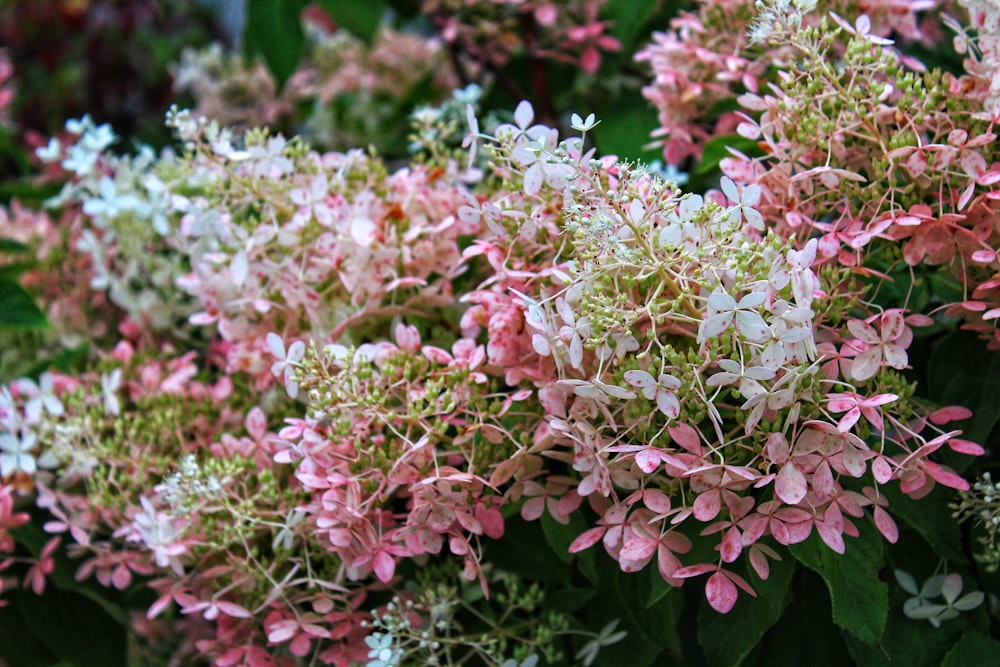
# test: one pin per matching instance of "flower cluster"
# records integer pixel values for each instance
(491, 32)
(896, 162)
(981, 504)
(344, 93)
(334, 386)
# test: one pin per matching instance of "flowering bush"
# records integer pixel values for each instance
(344, 94)
(337, 412)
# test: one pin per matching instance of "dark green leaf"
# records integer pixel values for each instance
(74, 628)
(624, 131)
(10, 272)
(67, 361)
(560, 536)
(906, 641)
(570, 599)
(12, 154)
(26, 192)
(629, 18)
(19, 644)
(717, 149)
(359, 18)
(728, 638)
(974, 649)
(725, 105)
(963, 372)
(931, 519)
(538, 563)
(805, 635)
(10, 245)
(273, 30)
(651, 631)
(860, 599)
(18, 309)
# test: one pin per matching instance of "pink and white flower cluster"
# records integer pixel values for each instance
(330, 372)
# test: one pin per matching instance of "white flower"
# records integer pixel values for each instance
(51, 152)
(156, 530)
(285, 365)
(745, 201)
(16, 453)
(606, 637)
(382, 653)
(39, 396)
(471, 140)
(111, 203)
(311, 201)
(726, 313)
(110, 383)
(581, 125)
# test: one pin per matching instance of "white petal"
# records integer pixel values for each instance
(276, 345)
(524, 114)
(714, 326)
(866, 364)
(752, 326)
(296, 351)
(753, 300)
(754, 218)
(668, 404)
(721, 301)
(729, 189)
(638, 378)
(533, 179)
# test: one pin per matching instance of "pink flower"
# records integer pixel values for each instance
(886, 347)
(855, 406)
(660, 390)
(43, 566)
(720, 589)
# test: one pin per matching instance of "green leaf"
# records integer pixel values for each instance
(931, 518)
(539, 563)
(624, 130)
(907, 641)
(67, 361)
(860, 599)
(273, 30)
(805, 635)
(651, 631)
(963, 372)
(12, 246)
(570, 599)
(717, 149)
(727, 639)
(11, 271)
(560, 536)
(19, 644)
(18, 309)
(27, 193)
(359, 18)
(628, 18)
(73, 627)
(974, 649)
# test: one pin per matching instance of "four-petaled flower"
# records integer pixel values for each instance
(855, 406)
(284, 367)
(726, 311)
(15, 453)
(659, 389)
(885, 347)
(745, 202)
